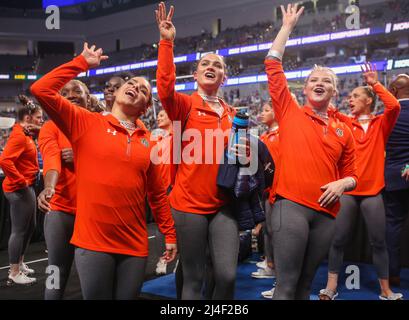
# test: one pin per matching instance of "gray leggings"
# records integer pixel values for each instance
(108, 276)
(268, 232)
(220, 233)
(23, 221)
(302, 237)
(373, 211)
(58, 229)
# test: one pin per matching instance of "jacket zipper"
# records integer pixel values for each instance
(128, 147)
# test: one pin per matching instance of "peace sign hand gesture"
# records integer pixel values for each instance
(369, 73)
(92, 56)
(166, 28)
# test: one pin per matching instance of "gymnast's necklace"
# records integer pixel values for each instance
(364, 118)
(214, 99)
(131, 126)
(322, 115)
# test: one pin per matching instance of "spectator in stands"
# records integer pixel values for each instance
(307, 200)
(20, 166)
(371, 134)
(396, 192)
(114, 174)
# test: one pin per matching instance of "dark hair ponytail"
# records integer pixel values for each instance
(29, 107)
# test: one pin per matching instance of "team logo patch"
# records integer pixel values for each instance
(340, 132)
(145, 142)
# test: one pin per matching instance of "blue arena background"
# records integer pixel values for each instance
(62, 3)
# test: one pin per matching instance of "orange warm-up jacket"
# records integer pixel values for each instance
(312, 153)
(195, 189)
(271, 140)
(113, 171)
(51, 141)
(19, 161)
(370, 146)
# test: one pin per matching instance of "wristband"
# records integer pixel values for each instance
(274, 54)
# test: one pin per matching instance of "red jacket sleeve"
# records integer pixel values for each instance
(15, 146)
(280, 95)
(71, 119)
(49, 148)
(392, 109)
(177, 105)
(347, 163)
(159, 203)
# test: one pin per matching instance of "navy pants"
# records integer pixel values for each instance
(397, 209)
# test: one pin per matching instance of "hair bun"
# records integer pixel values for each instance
(26, 102)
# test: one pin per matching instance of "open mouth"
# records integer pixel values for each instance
(74, 101)
(319, 91)
(210, 75)
(131, 93)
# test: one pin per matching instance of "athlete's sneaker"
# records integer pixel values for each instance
(262, 264)
(20, 278)
(268, 294)
(25, 269)
(393, 296)
(266, 273)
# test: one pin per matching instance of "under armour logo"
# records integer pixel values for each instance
(201, 113)
(113, 132)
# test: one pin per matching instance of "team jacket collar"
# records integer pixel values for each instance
(356, 123)
(270, 133)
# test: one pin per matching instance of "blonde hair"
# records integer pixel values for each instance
(331, 72)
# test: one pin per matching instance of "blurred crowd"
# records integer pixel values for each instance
(333, 21)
